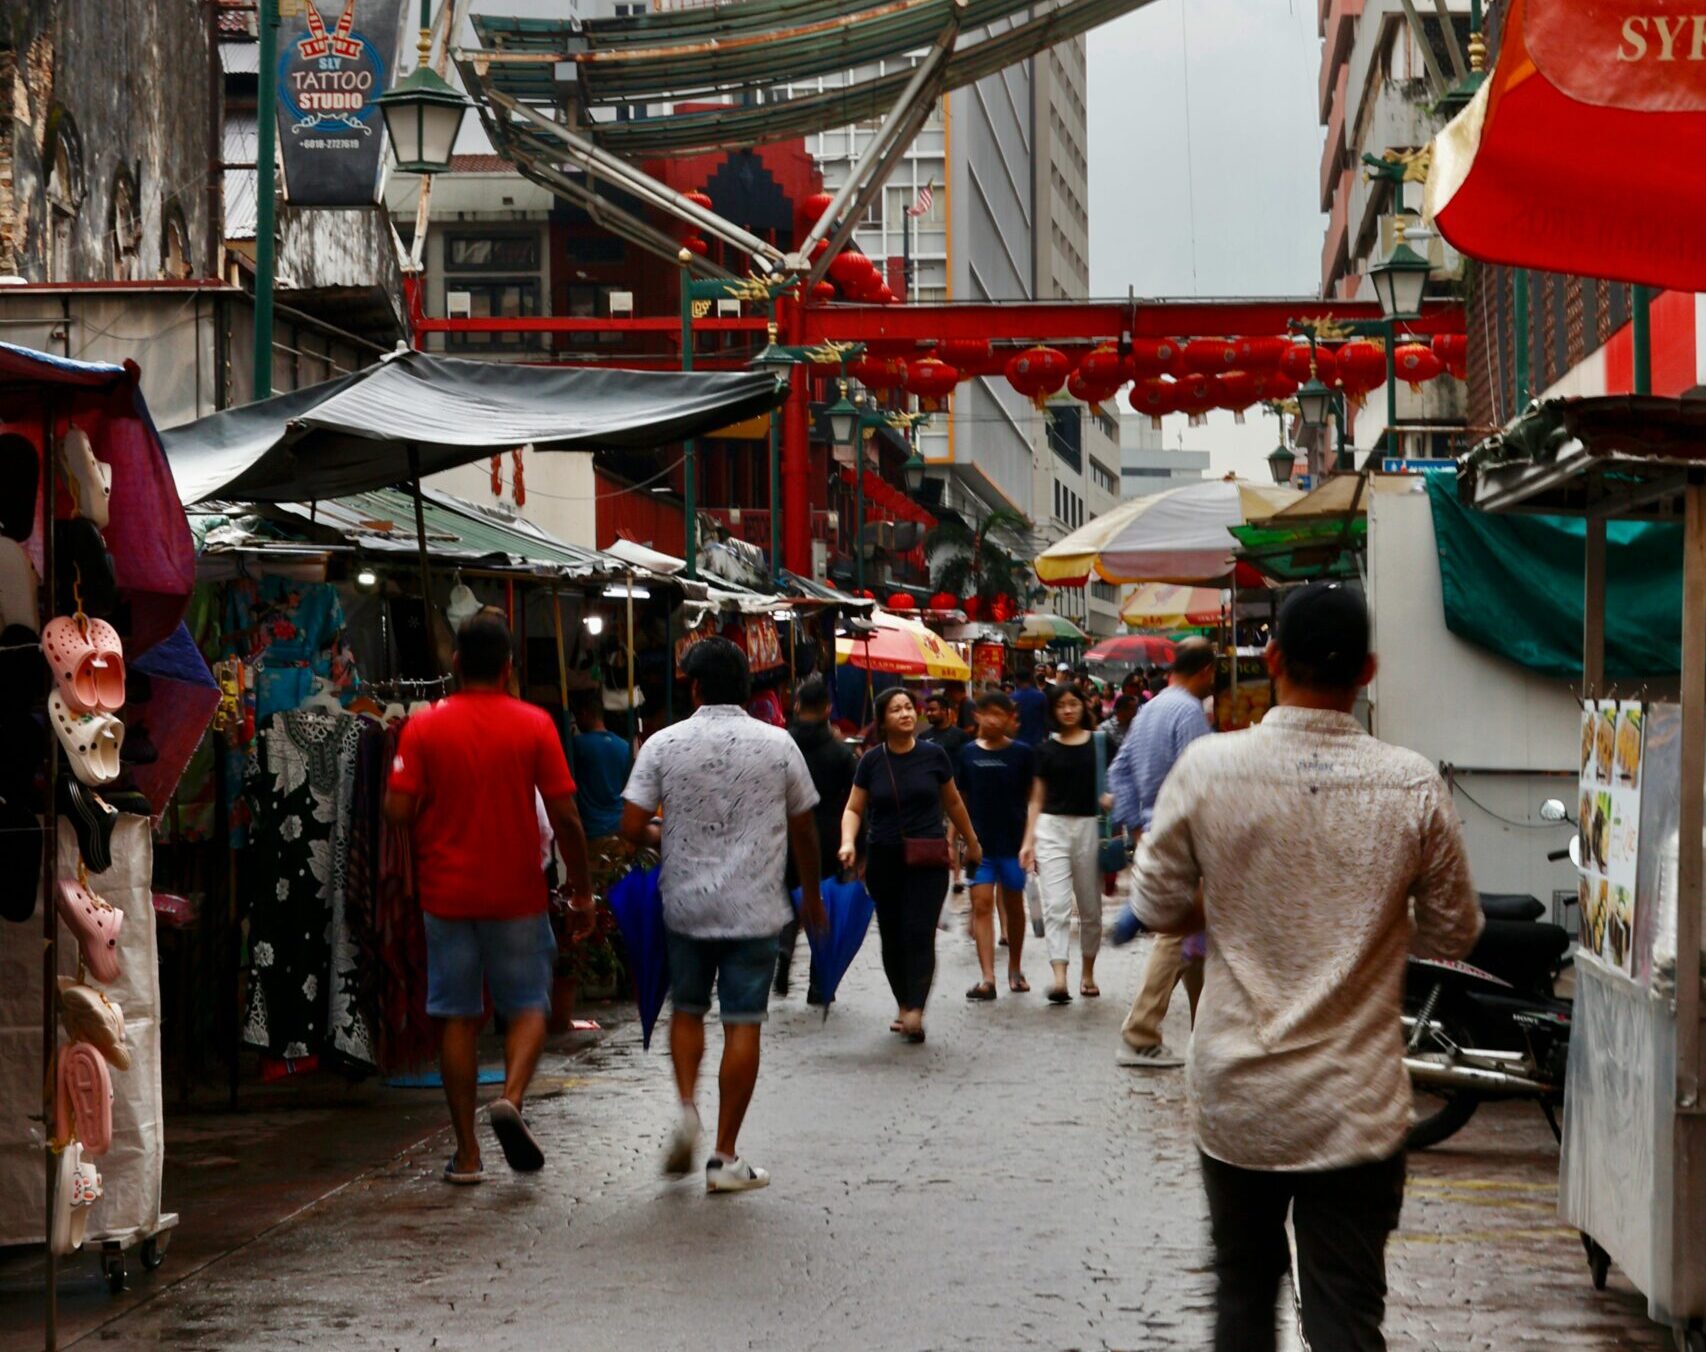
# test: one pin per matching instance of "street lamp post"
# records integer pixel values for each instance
(1281, 461)
(689, 478)
(1314, 404)
(1399, 282)
(423, 112)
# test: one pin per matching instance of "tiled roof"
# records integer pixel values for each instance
(480, 164)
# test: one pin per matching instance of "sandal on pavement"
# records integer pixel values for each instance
(462, 1177)
(520, 1149)
(984, 990)
(1016, 982)
(1059, 995)
(1089, 989)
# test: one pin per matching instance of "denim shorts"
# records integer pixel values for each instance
(741, 968)
(1000, 870)
(515, 958)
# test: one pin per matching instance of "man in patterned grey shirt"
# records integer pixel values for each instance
(730, 788)
(1323, 856)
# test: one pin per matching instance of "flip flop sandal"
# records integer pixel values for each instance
(1089, 990)
(96, 925)
(20, 473)
(1060, 996)
(92, 818)
(1018, 983)
(84, 1099)
(21, 837)
(92, 741)
(23, 671)
(19, 587)
(79, 1188)
(462, 1178)
(520, 1149)
(92, 1018)
(82, 564)
(984, 990)
(90, 478)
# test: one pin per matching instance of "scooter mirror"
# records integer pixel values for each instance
(1576, 851)
(1553, 811)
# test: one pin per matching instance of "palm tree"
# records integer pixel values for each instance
(985, 562)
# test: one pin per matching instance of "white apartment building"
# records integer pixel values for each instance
(1148, 466)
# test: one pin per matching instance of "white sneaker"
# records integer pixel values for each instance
(683, 1141)
(734, 1175)
(1158, 1057)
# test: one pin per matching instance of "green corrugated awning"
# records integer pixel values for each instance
(1307, 550)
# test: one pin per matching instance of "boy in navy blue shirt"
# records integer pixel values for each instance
(995, 780)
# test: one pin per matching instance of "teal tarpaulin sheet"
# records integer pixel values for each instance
(1513, 585)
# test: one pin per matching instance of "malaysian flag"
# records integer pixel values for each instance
(926, 195)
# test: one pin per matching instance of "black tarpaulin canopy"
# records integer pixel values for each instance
(415, 414)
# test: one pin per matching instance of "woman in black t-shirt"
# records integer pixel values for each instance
(905, 786)
(1061, 840)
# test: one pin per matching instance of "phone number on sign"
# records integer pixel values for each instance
(332, 143)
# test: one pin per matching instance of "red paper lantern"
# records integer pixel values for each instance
(1211, 356)
(1086, 390)
(1002, 609)
(1261, 356)
(695, 244)
(820, 249)
(823, 291)
(1416, 363)
(932, 381)
(699, 199)
(944, 601)
(1151, 357)
(1236, 391)
(1038, 372)
(968, 356)
(1103, 368)
(973, 607)
(1361, 367)
(884, 296)
(1452, 349)
(1295, 363)
(848, 269)
(1194, 395)
(810, 210)
(901, 601)
(1274, 388)
(879, 373)
(1154, 396)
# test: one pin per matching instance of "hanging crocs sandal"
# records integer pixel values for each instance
(84, 1098)
(83, 569)
(520, 1149)
(108, 666)
(91, 479)
(96, 925)
(984, 990)
(92, 741)
(19, 587)
(22, 840)
(462, 1178)
(92, 818)
(78, 1188)
(90, 1017)
(20, 476)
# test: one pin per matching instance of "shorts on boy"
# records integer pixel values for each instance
(1002, 871)
(514, 958)
(741, 969)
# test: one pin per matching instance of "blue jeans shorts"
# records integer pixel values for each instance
(1000, 870)
(741, 968)
(516, 958)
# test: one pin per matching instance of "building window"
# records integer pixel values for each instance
(516, 298)
(491, 253)
(1105, 591)
(124, 229)
(64, 195)
(1066, 436)
(1101, 475)
(175, 247)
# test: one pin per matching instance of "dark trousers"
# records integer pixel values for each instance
(1342, 1218)
(789, 939)
(909, 903)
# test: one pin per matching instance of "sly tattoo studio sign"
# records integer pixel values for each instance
(331, 72)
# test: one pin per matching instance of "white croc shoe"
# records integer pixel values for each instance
(734, 1175)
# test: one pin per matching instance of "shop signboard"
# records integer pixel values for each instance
(1243, 707)
(988, 663)
(332, 68)
(706, 629)
(1613, 750)
(762, 644)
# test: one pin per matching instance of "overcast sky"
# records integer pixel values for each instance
(1205, 162)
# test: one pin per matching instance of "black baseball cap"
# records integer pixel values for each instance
(1323, 634)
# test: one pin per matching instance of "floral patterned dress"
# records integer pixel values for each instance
(299, 780)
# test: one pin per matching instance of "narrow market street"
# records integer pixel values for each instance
(1005, 1185)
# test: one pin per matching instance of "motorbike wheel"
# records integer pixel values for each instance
(1440, 1115)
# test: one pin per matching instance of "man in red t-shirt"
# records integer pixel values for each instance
(464, 780)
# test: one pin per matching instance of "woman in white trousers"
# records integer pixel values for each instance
(1061, 841)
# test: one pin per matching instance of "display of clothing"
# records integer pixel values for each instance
(289, 630)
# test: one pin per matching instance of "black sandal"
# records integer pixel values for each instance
(1059, 995)
(984, 990)
(1017, 982)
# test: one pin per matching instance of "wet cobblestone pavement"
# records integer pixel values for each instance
(1005, 1185)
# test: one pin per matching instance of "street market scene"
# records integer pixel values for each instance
(646, 706)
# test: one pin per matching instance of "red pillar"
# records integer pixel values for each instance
(796, 460)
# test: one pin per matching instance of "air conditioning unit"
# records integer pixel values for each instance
(728, 309)
(621, 303)
(458, 304)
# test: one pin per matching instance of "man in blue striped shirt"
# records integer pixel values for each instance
(1162, 730)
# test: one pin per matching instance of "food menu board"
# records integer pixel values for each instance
(1613, 741)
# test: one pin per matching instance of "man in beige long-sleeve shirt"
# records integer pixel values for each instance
(1311, 840)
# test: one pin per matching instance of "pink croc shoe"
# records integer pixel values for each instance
(71, 655)
(96, 925)
(108, 666)
(84, 1099)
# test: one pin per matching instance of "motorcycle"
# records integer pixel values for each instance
(1491, 1026)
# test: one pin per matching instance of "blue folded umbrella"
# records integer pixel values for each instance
(849, 908)
(637, 904)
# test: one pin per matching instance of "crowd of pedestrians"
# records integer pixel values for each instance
(1291, 960)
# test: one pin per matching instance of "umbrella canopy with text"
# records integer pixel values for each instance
(1577, 154)
(1166, 605)
(902, 647)
(1180, 535)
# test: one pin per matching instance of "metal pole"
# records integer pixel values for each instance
(50, 922)
(1691, 815)
(1593, 610)
(421, 540)
(633, 713)
(266, 122)
(859, 505)
(1393, 447)
(1641, 337)
(689, 480)
(1341, 415)
(775, 482)
(1524, 339)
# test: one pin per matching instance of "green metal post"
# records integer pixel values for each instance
(266, 125)
(1524, 338)
(1341, 414)
(1393, 446)
(859, 505)
(689, 481)
(1641, 338)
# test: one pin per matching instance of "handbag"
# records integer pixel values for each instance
(917, 851)
(1112, 855)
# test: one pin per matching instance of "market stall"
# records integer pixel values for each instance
(1632, 1175)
